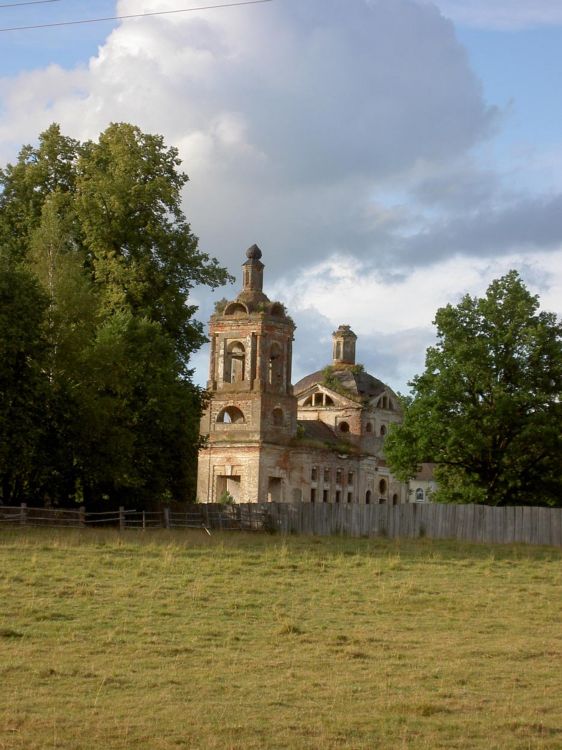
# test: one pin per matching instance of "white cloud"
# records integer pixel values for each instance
(286, 114)
(502, 14)
(320, 129)
(393, 318)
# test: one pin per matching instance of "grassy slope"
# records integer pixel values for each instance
(180, 641)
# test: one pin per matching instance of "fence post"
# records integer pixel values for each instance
(23, 514)
(82, 516)
(166, 518)
(121, 518)
(143, 521)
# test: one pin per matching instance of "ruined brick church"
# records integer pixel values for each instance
(319, 441)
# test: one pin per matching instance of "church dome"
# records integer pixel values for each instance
(356, 382)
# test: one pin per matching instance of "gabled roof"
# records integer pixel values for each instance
(313, 433)
(316, 430)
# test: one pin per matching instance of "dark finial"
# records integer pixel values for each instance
(253, 253)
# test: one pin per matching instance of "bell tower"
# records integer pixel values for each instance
(251, 416)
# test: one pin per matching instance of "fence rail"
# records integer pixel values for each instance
(206, 517)
(471, 523)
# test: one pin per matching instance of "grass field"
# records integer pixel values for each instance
(177, 640)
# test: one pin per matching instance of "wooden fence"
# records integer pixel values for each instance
(470, 523)
(207, 517)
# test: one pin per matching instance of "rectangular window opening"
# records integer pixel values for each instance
(274, 490)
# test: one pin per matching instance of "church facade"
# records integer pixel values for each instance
(319, 441)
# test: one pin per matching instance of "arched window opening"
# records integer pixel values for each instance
(235, 308)
(277, 417)
(419, 495)
(318, 399)
(230, 415)
(383, 430)
(344, 426)
(368, 497)
(307, 401)
(368, 427)
(328, 401)
(235, 365)
(395, 499)
(382, 486)
(275, 374)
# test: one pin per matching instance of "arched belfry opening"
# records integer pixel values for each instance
(275, 366)
(235, 364)
(230, 415)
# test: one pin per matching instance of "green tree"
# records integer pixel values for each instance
(488, 410)
(141, 249)
(39, 172)
(100, 226)
(22, 380)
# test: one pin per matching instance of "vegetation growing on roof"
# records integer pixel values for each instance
(301, 440)
(330, 380)
(220, 305)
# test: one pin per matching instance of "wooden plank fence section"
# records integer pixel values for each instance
(469, 523)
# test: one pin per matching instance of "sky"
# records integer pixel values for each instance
(388, 156)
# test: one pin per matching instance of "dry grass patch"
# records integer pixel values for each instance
(177, 640)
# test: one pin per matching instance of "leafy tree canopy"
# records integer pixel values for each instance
(488, 410)
(94, 235)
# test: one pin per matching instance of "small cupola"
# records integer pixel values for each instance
(252, 279)
(343, 352)
(253, 270)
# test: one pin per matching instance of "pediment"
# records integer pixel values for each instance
(386, 401)
(321, 397)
